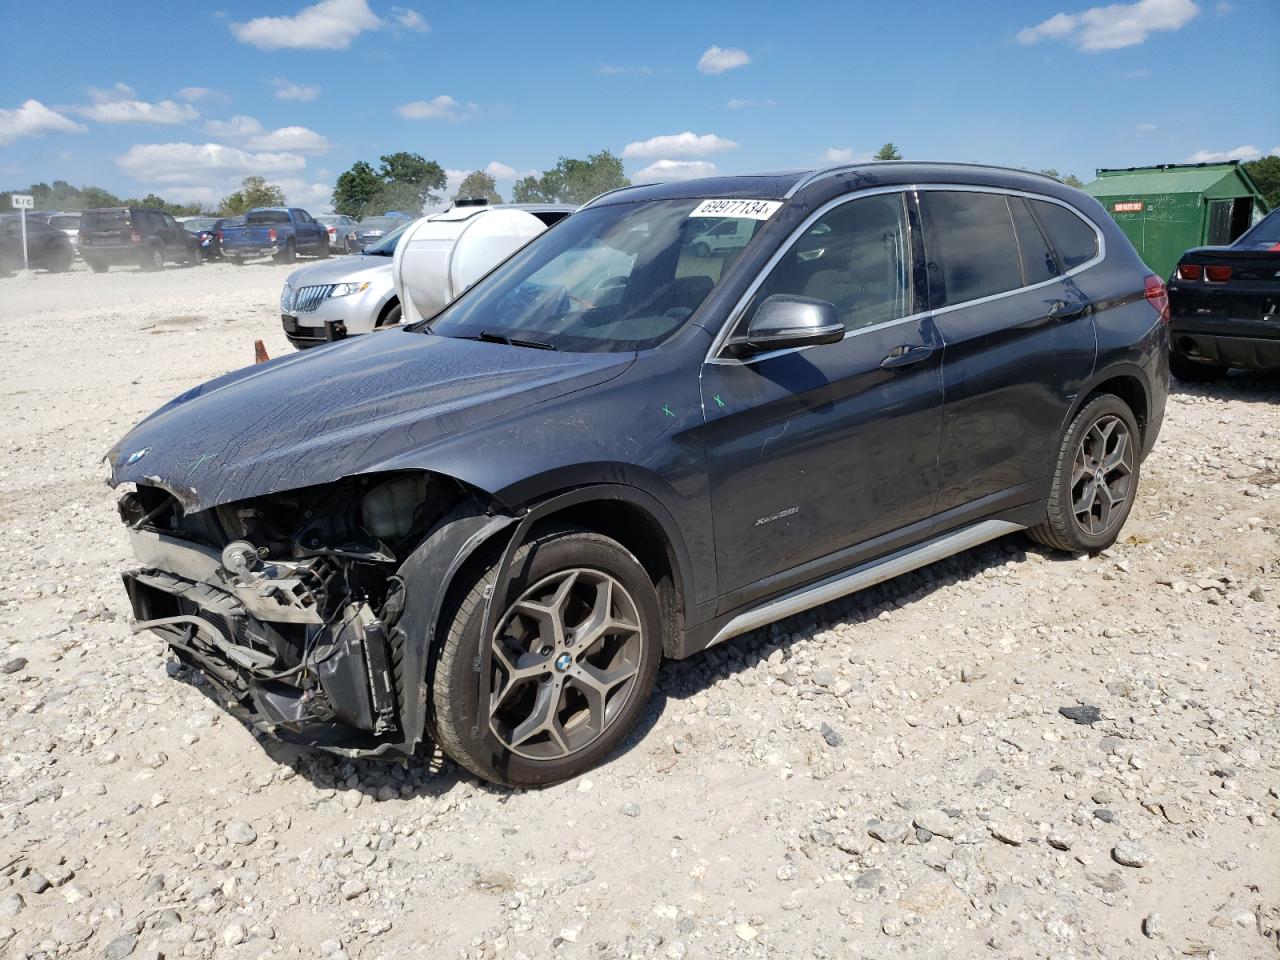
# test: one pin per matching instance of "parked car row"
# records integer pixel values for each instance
(684, 412)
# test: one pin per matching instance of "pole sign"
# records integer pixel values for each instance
(23, 202)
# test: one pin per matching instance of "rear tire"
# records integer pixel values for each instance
(288, 254)
(153, 259)
(98, 266)
(1095, 478)
(1191, 371)
(324, 248)
(577, 708)
(62, 259)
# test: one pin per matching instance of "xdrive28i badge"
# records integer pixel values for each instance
(137, 455)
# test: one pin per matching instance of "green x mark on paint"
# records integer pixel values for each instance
(667, 410)
(719, 402)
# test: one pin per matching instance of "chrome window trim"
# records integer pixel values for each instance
(735, 315)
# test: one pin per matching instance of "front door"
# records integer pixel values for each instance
(814, 452)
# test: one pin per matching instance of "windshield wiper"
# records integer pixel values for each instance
(487, 337)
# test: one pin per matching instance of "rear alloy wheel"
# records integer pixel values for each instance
(1192, 371)
(572, 662)
(1095, 479)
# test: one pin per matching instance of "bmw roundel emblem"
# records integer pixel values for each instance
(137, 455)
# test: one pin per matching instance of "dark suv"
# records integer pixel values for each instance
(625, 443)
(134, 235)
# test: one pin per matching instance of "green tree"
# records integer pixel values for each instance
(1070, 179)
(404, 182)
(1266, 174)
(478, 184)
(253, 192)
(887, 152)
(572, 180)
(413, 170)
(354, 190)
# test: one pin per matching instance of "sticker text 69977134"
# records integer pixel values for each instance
(746, 209)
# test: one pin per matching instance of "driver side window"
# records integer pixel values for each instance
(857, 256)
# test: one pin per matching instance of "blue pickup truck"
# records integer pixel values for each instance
(279, 232)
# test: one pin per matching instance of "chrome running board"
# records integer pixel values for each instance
(867, 575)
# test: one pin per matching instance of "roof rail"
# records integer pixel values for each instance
(832, 171)
(629, 186)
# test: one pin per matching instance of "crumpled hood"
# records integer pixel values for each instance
(340, 410)
(338, 270)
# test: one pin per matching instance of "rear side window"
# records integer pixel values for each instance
(1075, 241)
(972, 243)
(267, 216)
(1038, 262)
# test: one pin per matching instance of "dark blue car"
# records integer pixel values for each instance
(625, 443)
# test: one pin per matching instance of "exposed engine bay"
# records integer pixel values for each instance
(290, 603)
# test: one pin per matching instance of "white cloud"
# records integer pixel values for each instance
(443, 107)
(615, 70)
(687, 144)
(195, 164)
(736, 104)
(409, 19)
(1143, 128)
(34, 119)
(194, 94)
(249, 132)
(661, 170)
(504, 171)
(120, 104)
(1246, 152)
(719, 59)
(288, 90)
(838, 155)
(327, 25)
(314, 197)
(1112, 27)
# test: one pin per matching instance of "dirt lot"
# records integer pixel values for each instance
(887, 777)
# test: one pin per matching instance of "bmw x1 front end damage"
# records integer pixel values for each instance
(292, 605)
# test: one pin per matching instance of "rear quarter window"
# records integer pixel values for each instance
(1075, 240)
(971, 245)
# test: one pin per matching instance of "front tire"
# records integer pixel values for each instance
(153, 259)
(572, 665)
(1189, 371)
(1095, 478)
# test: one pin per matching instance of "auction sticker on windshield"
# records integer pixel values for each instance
(746, 209)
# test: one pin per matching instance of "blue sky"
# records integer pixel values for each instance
(185, 99)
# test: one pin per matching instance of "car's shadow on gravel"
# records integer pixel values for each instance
(431, 774)
(1254, 386)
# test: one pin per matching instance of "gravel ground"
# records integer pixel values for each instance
(1010, 754)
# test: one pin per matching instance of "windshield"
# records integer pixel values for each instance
(608, 279)
(386, 247)
(198, 224)
(68, 221)
(379, 223)
(267, 216)
(1265, 233)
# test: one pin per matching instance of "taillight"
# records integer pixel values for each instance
(135, 236)
(1157, 296)
(1218, 273)
(1190, 271)
(219, 235)
(333, 230)
(271, 234)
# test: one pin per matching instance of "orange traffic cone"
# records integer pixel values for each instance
(260, 352)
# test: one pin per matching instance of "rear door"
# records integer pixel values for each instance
(1018, 343)
(814, 454)
(175, 237)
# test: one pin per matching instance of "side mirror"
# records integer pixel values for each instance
(783, 322)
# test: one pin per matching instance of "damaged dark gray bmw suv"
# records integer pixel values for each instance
(625, 443)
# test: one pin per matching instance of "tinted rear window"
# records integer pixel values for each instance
(1038, 262)
(1265, 233)
(380, 223)
(70, 221)
(104, 219)
(1075, 241)
(971, 240)
(267, 216)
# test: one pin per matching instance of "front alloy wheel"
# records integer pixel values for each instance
(1102, 475)
(571, 661)
(564, 661)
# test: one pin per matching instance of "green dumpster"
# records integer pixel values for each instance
(1168, 209)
